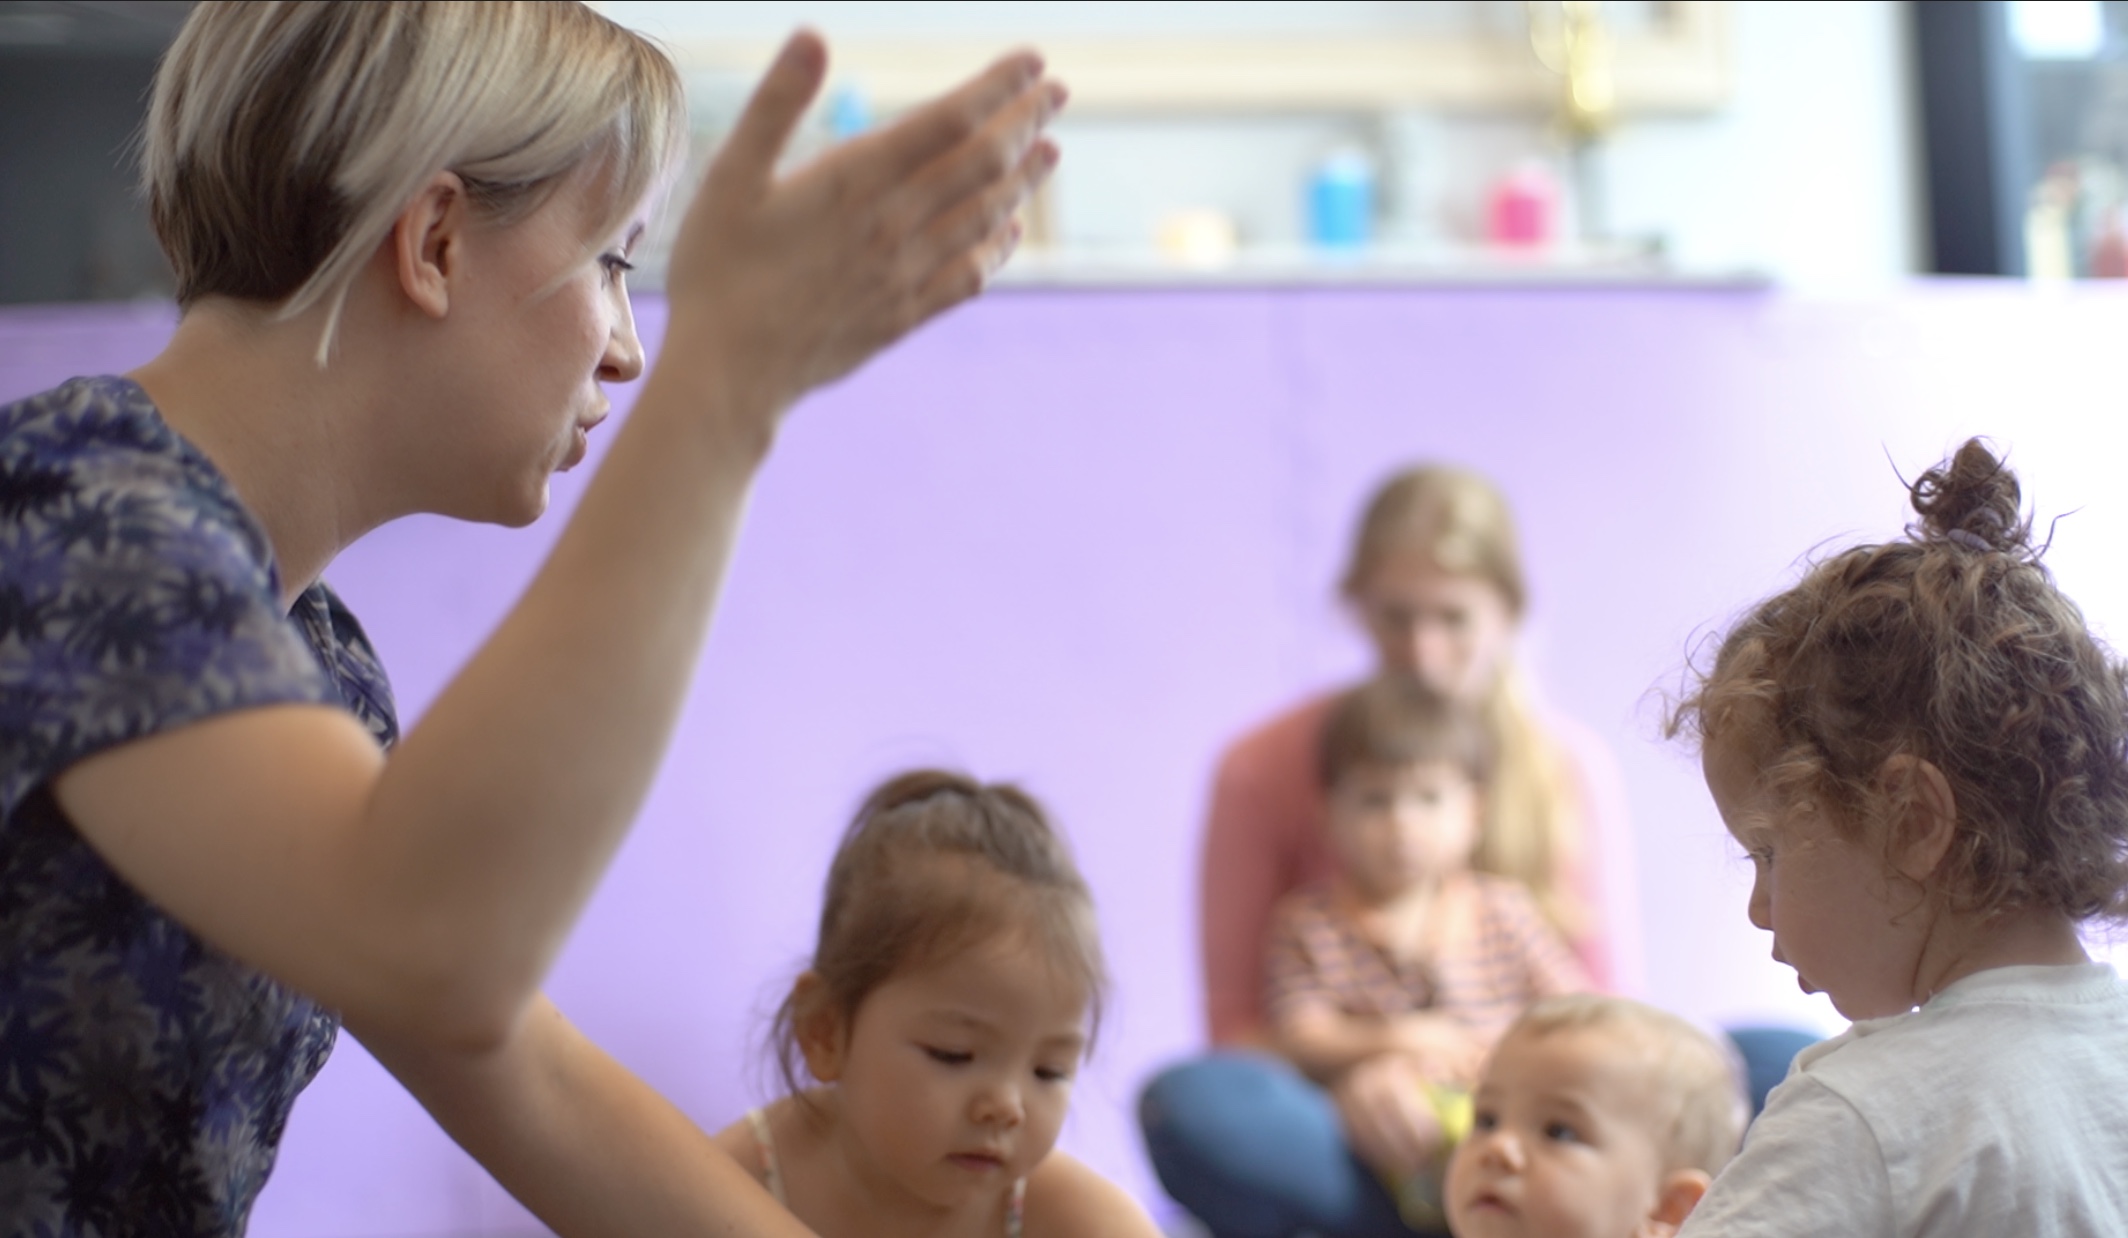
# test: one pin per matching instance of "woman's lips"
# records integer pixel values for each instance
(579, 447)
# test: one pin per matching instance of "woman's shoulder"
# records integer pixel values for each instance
(1067, 1199)
(1274, 767)
(104, 412)
(1294, 729)
(94, 458)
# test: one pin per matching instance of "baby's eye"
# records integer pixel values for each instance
(1051, 1074)
(948, 1057)
(1560, 1132)
(1484, 1120)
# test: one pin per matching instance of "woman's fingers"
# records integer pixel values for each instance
(764, 129)
(987, 156)
(790, 282)
(977, 239)
(913, 142)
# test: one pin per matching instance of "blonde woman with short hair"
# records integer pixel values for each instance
(400, 232)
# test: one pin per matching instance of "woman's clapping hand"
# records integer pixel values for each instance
(781, 283)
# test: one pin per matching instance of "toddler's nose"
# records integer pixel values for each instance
(1499, 1149)
(999, 1104)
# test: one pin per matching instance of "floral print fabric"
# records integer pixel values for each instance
(145, 1076)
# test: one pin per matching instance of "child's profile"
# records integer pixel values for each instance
(1596, 1117)
(929, 1049)
(1923, 749)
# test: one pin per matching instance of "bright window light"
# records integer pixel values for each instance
(2057, 29)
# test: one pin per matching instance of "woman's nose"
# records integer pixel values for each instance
(623, 359)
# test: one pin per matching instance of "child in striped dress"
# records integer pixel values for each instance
(1397, 974)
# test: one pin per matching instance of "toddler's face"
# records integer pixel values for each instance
(952, 1081)
(1563, 1145)
(1393, 826)
(1829, 901)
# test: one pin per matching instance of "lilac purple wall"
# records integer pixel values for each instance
(1081, 538)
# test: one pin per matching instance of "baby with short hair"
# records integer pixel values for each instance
(1596, 1117)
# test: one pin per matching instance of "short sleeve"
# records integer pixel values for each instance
(1550, 966)
(1811, 1165)
(136, 596)
(1292, 975)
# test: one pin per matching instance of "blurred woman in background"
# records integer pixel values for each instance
(1240, 1138)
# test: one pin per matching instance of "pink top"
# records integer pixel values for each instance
(1265, 836)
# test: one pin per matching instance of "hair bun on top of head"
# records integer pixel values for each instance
(1971, 500)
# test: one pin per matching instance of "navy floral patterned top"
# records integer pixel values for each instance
(145, 1076)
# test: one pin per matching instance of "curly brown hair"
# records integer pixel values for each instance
(934, 863)
(1951, 644)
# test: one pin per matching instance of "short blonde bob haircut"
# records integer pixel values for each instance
(284, 138)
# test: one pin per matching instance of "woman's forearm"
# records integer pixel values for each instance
(591, 1149)
(495, 817)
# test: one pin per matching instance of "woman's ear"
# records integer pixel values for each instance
(1679, 1194)
(425, 240)
(822, 1032)
(1924, 816)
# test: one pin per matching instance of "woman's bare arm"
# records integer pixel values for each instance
(587, 1146)
(426, 895)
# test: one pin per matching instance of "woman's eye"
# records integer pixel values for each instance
(616, 266)
(948, 1057)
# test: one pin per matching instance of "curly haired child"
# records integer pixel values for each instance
(955, 987)
(1925, 753)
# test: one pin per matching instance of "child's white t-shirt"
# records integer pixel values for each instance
(2000, 1107)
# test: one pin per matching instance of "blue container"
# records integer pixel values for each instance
(849, 112)
(1341, 201)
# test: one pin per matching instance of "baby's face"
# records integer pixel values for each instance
(1563, 1146)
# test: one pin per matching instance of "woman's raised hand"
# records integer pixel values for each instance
(779, 284)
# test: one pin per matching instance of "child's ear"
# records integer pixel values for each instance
(1679, 1194)
(1924, 818)
(818, 1026)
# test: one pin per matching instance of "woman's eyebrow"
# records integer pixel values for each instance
(635, 233)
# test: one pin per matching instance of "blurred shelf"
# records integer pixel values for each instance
(1444, 266)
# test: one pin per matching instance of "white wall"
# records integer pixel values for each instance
(1808, 173)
